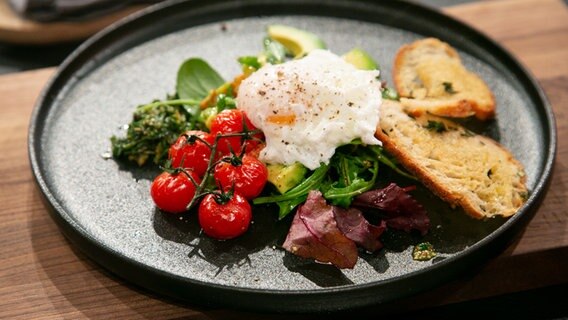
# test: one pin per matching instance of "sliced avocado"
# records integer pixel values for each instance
(285, 177)
(360, 59)
(207, 115)
(297, 41)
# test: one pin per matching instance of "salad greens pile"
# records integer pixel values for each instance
(348, 181)
(155, 126)
(353, 169)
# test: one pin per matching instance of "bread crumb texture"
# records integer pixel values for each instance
(461, 167)
(430, 77)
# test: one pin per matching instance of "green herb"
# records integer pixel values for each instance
(290, 199)
(274, 52)
(352, 170)
(356, 170)
(224, 102)
(387, 160)
(390, 94)
(423, 252)
(195, 79)
(249, 62)
(155, 126)
(153, 129)
(449, 88)
(436, 126)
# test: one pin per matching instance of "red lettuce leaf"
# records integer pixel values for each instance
(401, 210)
(355, 227)
(314, 234)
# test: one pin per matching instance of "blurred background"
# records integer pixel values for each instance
(41, 33)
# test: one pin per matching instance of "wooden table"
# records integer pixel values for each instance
(43, 276)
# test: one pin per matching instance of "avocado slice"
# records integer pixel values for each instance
(360, 59)
(286, 177)
(297, 41)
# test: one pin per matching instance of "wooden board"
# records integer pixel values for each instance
(43, 276)
(15, 29)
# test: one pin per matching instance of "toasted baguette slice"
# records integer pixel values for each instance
(464, 169)
(430, 77)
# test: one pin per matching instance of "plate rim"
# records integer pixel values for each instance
(81, 238)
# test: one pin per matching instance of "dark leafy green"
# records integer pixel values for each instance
(356, 171)
(293, 197)
(352, 171)
(153, 129)
(249, 61)
(196, 78)
(387, 160)
(155, 126)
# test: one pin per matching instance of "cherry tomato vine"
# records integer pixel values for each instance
(195, 158)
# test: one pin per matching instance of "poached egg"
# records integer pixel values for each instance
(307, 108)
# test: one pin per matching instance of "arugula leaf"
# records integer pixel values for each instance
(196, 78)
(285, 207)
(274, 52)
(356, 171)
(249, 61)
(388, 161)
(293, 197)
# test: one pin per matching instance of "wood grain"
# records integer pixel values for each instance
(15, 29)
(43, 276)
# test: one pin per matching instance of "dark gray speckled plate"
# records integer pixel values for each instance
(104, 207)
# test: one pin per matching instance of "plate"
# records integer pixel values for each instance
(103, 206)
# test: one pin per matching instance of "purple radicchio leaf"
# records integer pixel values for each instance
(314, 234)
(401, 210)
(355, 227)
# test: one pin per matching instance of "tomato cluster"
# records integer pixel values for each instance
(224, 211)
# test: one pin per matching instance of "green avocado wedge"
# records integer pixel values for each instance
(360, 59)
(297, 41)
(285, 177)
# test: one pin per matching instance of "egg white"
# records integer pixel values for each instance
(309, 107)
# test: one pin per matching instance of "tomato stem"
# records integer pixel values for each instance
(201, 188)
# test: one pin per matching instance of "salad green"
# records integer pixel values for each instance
(191, 119)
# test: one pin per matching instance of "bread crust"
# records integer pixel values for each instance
(473, 99)
(436, 179)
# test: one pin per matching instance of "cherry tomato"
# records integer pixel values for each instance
(231, 121)
(255, 152)
(226, 219)
(247, 175)
(193, 153)
(172, 192)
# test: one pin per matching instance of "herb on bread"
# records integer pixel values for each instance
(449, 88)
(436, 126)
(430, 78)
(453, 164)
